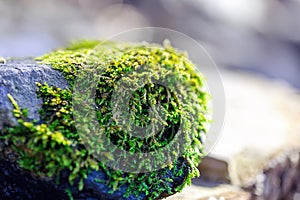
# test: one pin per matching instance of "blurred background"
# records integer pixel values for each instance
(259, 36)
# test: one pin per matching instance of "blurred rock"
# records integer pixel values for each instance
(214, 170)
(279, 179)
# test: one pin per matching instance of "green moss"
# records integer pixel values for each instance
(52, 144)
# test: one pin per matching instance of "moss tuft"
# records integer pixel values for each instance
(52, 144)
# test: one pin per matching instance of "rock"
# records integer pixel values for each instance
(214, 170)
(18, 78)
(17, 184)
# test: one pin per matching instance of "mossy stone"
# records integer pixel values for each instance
(51, 146)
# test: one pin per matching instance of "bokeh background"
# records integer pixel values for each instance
(259, 36)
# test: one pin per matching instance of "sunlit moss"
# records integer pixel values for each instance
(52, 144)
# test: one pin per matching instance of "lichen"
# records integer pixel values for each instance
(52, 144)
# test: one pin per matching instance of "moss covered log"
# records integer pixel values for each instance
(51, 147)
